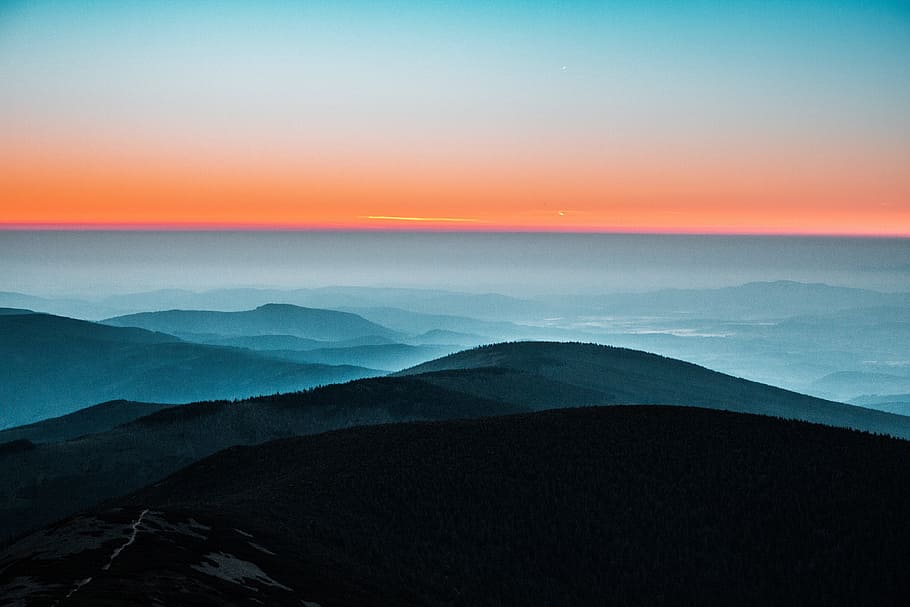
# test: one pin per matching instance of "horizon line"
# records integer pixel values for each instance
(426, 226)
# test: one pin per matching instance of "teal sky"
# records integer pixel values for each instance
(763, 92)
(684, 58)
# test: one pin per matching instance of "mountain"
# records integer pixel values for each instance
(269, 319)
(431, 301)
(492, 380)
(618, 505)
(387, 357)
(14, 311)
(859, 383)
(414, 323)
(893, 403)
(539, 374)
(292, 333)
(444, 336)
(91, 420)
(754, 300)
(54, 365)
(100, 466)
(288, 342)
(62, 306)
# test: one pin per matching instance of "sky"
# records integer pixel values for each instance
(728, 117)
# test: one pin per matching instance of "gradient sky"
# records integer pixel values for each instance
(789, 117)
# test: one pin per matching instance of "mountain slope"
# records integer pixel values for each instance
(92, 468)
(91, 420)
(54, 365)
(530, 376)
(269, 319)
(618, 505)
(542, 373)
(388, 357)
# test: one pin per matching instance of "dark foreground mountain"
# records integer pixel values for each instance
(269, 319)
(618, 505)
(494, 380)
(53, 365)
(40, 483)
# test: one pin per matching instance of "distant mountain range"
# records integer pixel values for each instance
(616, 505)
(800, 336)
(754, 300)
(54, 365)
(491, 380)
(269, 319)
(484, 306)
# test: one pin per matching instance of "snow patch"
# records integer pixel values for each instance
(232, 569)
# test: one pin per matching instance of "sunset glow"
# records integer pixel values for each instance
(757, 118)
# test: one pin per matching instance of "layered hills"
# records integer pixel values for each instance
(487, 381)
(54, 365)
(91, 420)
(293, 333)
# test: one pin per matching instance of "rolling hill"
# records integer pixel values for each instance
(269, 319)
(54, 365)
(91, 420)
(108, 463)
(597, 506)
(494, 380)
(387, 357)
(540, 373)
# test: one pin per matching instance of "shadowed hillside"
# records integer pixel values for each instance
(539, 373)
(619, 505)
(91, 420)
(103, 465)
(494, 380)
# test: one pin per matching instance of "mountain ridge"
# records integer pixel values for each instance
(617, 505)
(626, 376)
(151, 447)
(55, 365)
(267, 319)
